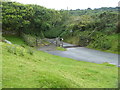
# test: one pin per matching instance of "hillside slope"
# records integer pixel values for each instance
(29, 68)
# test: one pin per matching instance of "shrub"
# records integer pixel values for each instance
(15, 49)
(23, 45)
(30, 51)
(30, 40)
(20, 51)
(100, 41)
(12, 49)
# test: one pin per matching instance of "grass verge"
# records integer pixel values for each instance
(61, 49)
(42, 70)
(15, 40)
(25, 67)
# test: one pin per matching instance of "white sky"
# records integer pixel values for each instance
(72, 4)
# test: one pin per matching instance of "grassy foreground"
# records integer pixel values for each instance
(23, 68)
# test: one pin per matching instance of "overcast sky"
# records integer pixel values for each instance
(72, 4)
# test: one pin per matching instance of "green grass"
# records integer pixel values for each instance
(72, 40)
(112, 42)
(42, 70)
(60, 49)
(25, 67)
(15, 40)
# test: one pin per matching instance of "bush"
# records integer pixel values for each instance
(100, 41)
(18, 50)
(21, 53)
(30, 51)
(11, 49)
(30, 40)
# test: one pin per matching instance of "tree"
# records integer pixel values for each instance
(16, 16)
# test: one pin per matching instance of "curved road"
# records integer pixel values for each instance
(85, 54)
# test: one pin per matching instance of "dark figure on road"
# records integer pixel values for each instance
(59, 42)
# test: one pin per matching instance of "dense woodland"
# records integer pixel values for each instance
(97, 28)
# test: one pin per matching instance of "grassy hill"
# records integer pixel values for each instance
(25, 67)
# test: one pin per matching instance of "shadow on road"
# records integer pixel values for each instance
(71, 46)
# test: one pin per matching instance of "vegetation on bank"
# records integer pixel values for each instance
(25, 67)
(61, 49)
(90, 28)
(95, 30)
(20, 41)
(15, 40)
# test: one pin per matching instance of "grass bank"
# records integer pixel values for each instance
(23, 69)
(61, 49)
(15, 40)
(104, 43)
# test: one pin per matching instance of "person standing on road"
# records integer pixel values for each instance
(61, 42)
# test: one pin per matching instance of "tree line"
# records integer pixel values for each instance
(29, 19)
(88, 27)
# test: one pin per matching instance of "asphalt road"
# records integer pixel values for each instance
(86, 54)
